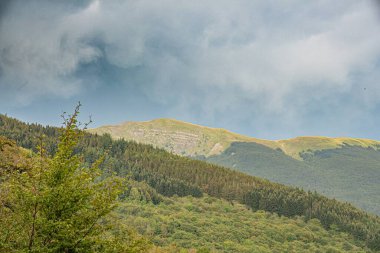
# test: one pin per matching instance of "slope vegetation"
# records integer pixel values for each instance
(344, 168)
(350, 173)
(215, 225)
(194, 140)
(188, 224)
(177, 137)
(171, 175)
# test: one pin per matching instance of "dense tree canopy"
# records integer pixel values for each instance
(170, 175)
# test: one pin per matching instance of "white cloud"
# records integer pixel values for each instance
(40, 51)
(250, 50)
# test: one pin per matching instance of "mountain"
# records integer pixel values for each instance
(174, 200)
(189, 224)
(194, 140)
(177, 137)
(344, 168)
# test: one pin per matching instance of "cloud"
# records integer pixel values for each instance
(199, 57)
(40, 51)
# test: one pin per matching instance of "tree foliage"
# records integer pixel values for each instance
(58, 204)
(208, 224)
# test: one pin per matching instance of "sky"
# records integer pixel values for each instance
(267, 69)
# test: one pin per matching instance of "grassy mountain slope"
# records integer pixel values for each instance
(295, 146)
(178, 137)
(206, 224)
(194, 140)
(171, 175)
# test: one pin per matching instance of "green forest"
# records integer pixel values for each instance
(348, 173)
(65, 190)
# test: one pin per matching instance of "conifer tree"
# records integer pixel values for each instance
(58, 205)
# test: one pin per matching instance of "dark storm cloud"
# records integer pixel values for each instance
(3, 7)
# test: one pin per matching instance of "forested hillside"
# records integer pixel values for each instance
(176, 224)
(171, 175)
(210, 224)
(349, 173)
(347, 169)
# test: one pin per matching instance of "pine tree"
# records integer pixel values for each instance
(59, 205)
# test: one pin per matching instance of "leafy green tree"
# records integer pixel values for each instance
(58, 204)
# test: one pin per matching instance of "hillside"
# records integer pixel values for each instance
(350, 173)
(344, 228)
(171, 175)
(188, 224)
(178, 137)
(194, 140)
(215, 225)
(344, 168)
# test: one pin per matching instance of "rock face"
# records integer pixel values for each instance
(177, 142)
(175, 136)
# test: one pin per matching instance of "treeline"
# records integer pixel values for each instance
(170, 174)
(29, 135)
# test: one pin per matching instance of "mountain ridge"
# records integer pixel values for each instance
(209, 141)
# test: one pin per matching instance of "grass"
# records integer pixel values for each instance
(194, 140)
(177, 136)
